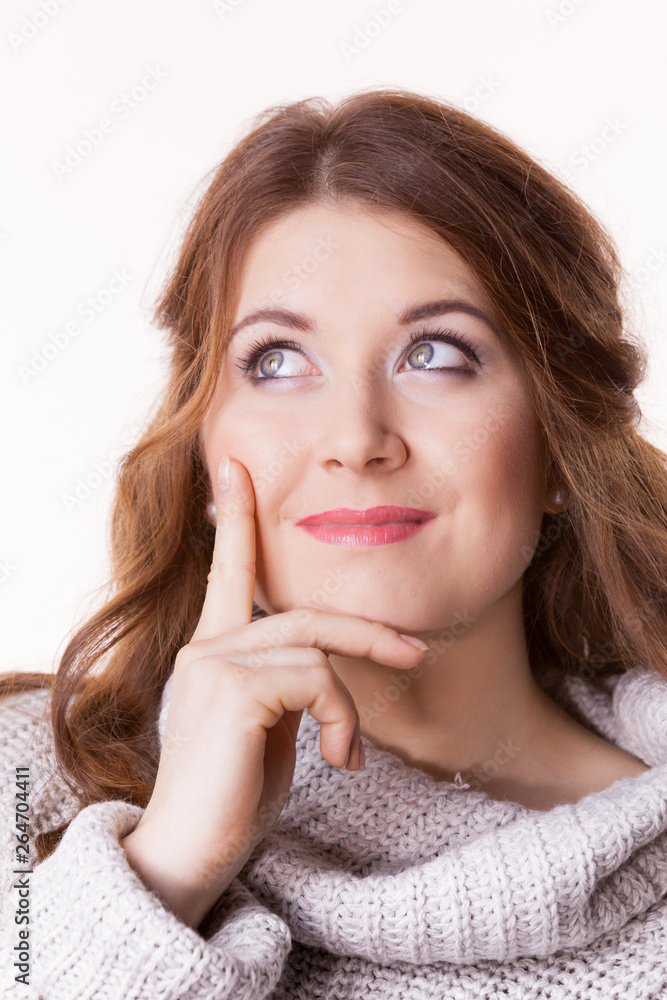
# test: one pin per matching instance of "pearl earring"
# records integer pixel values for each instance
(558, 496)
(212, 511)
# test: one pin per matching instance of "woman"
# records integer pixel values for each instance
(441, 533)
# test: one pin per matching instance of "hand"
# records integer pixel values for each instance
(238, 694)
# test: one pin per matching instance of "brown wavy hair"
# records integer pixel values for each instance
(595, 591)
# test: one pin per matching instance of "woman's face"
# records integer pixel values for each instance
(368, 419)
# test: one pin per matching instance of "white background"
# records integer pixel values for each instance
(551, 75)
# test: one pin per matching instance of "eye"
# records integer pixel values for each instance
(424, 354)
(424, 359)
(258, 349)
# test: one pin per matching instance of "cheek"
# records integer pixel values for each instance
(506, 450)
(502, 493)
(267, 452)
(514, 461)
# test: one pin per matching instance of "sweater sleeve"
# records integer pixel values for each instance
(95, 930)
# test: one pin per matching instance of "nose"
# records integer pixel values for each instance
(358, 429)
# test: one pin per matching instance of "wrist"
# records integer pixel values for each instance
(190, 900)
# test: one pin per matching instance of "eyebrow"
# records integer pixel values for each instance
(306, 324)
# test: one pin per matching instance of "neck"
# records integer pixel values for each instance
(472, 706)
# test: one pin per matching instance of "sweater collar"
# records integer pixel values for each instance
(388, 864)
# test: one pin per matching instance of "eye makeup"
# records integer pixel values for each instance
(261, 346)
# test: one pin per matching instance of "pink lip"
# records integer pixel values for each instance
(356, 535)
(384, 515)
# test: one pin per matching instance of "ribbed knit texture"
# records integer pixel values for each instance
(382, 883)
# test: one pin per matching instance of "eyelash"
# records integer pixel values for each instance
(445, 336)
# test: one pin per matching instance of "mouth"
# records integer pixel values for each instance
(347, 517)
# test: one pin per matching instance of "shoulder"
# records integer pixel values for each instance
(27, 742)
(24, 724)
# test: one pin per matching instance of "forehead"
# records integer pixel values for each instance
(312, 247)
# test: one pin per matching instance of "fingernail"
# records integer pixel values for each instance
(350, 753)
(361, 755)
(413, 642)
(223, 474)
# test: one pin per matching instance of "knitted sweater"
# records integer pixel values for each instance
(382, 883)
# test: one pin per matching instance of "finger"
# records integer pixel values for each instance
(291, 687)
(231, 580)
(304, 657)
(346, 635)
(284, 656)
